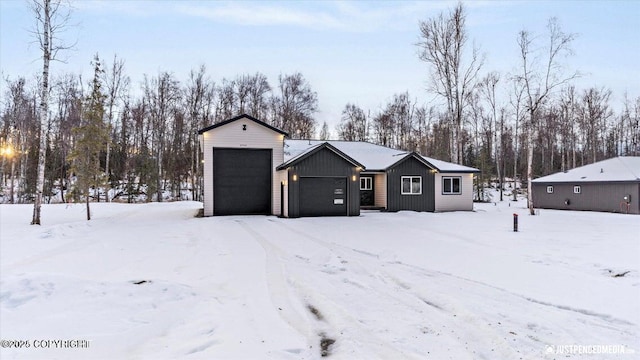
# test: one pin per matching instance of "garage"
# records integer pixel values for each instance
(321, 181)
(323, 196)
(242, 181)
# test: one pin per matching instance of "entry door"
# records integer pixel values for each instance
(367, 197)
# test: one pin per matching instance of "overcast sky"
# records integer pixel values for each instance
(359, 52)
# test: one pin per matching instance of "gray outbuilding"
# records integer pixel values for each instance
(611, 185)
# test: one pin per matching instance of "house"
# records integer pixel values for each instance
(251, 168)
(396, 180)
(611, 185)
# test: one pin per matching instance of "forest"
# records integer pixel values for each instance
(108, 139)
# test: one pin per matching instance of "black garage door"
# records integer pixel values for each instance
(241, 181)
(323, 196)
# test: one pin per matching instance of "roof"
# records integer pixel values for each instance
(373, 157)
(623, 168)
(314, 149)
(243, 116)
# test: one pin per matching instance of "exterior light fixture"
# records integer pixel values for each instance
(353, 178)
(295, 177)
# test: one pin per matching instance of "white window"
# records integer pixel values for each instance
(576, 189)
(549, 189)
(451, 185)
(366, 183)
(411, 185)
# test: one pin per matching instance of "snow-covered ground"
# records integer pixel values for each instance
(150, 281)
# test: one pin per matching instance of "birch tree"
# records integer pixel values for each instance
(541, 72)
(51, 20)
(444, 41)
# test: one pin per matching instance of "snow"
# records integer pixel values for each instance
(622, 168)
(152, 281)
(373, 157)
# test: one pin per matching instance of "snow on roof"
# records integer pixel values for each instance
(373, 157)
(623, 168)
(311, 149)
(444, 166)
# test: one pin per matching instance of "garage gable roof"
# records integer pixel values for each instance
(239, 117)
(314, 149)
(622, 168)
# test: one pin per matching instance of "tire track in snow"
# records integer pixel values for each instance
(414, 302)
(310, 297)
(277, 283)
(605, 317)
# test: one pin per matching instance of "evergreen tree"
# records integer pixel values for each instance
(90, 139)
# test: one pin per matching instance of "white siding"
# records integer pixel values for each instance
(231, 135)
(380, 190)
(459, 202)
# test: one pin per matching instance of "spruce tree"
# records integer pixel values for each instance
(90, 139)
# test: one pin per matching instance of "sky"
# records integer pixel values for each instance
(360, 52)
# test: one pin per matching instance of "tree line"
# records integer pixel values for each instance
(522, 125)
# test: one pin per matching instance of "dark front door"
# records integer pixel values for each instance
(241, 181)
(323, 196)
(367, 196)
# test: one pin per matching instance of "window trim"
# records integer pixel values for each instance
(450, 191)
(577, 189)
(366, 179)
(549, 189)
(411, 178)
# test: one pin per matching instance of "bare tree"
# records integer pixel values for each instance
(163, 95)
(51, 19)
(115, 82)
(541, 73)
(199, 100)
(594, 113)
(295, 107)
(442, 47)
(516, 101)
(353, 124)
(488, 89)
(324, 132)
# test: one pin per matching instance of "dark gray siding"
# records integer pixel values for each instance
(601, 196)
(396, 201)
(324, 163)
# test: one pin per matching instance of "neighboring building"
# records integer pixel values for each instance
(250, 168)
(611, 186)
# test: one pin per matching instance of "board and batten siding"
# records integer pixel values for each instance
(324, 163)
(396, 201)
(457, 202)
(232, 135)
